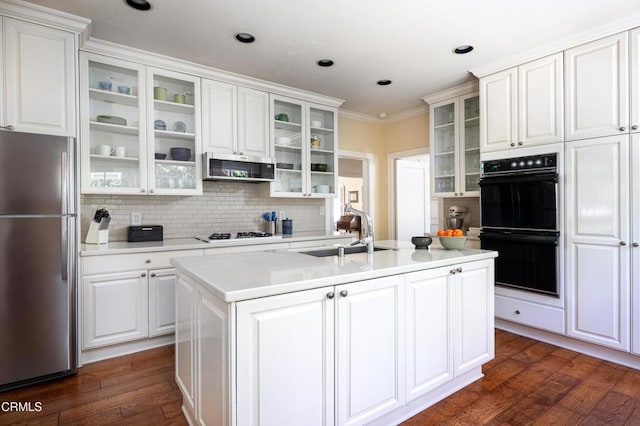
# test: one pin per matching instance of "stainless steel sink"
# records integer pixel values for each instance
(333, 251)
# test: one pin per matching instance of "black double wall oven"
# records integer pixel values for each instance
(519, 220)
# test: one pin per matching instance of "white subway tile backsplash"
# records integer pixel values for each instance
(223, 207)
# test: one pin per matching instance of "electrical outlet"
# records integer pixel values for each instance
(136, 219)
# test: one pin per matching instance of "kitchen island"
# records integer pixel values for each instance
(282, 337)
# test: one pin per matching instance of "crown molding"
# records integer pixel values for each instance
(451, 92)
(410, 113)
(144, 57)
(45, 16)
(623, 24)
(359, 116)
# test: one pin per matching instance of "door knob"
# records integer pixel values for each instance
(634, 127)
(144, 274)
(147, 261)
(452, 272)
(344, 293)
(635, 244)
(623, 243)
(622, 129)
(517, 312)
(153, 275)
(512, 144)
(520, 143)
(459, 269)
(330, 295)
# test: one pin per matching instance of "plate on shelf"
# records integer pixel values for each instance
(111, 119)
(159, 125)
(179, 126)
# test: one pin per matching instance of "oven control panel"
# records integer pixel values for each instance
(532, 162)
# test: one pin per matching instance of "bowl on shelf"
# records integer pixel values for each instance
(159, 125)
(283, 140)
(322, 189)
(180, 154)
(421, 242)
(453, 243)
(111, 119)
(160, 156)
(319, 167)
(316, 123)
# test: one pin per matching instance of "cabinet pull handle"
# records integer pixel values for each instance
(144, 274)
(512, 144)
(517, 312)
(344, 293)
(623, 243)
(622, 129)
(520, 143)
(330, 295)
(147, 261)
(634, 127)
(9, 127)
(459, 269)
(153, 275)
(635, 244)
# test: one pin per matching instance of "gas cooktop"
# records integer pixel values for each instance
(250, 235)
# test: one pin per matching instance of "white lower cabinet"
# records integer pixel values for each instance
(162, 310)
(334, 355)
(105, 324)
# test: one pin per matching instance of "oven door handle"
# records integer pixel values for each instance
(514, 236)
(519, 178)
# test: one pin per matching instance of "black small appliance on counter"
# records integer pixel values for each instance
(144, 233)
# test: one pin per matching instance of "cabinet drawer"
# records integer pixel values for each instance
(126, 262)
(531, 314)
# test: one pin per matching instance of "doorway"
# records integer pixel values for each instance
(409, 194)
(355, 183)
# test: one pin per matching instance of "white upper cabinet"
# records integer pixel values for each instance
(597, 88)
(522, 106)
(235, 119)
(635, 80)
(39, 79)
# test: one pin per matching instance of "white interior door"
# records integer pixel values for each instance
(412, 213)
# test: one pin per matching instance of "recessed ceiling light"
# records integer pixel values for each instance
(461, 50)
(245, 37)
(382, 115)
(384, 82)
(138, 4)
(325, 62)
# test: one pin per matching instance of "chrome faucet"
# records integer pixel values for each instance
(368, 236)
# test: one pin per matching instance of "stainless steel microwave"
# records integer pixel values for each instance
(239, 168)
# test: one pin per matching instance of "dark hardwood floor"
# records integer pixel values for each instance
(529, 382)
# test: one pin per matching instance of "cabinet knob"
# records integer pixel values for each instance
(241, 153)
(153, 275)
(452, 272)
(330, 295)
(152, 191)
(517, 312)
(142, 190)
(144, 274)
(623, 243)
(344, 293)
(512, 144)
(622, 129)
(461, 194)
(634, 127)
(520, 143)
(459, 269)
(9, 127)
(147, 261)
(635, 244)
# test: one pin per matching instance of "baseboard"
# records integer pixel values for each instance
(88, 356)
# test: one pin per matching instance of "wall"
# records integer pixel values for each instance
(223, 207)
(365, 136)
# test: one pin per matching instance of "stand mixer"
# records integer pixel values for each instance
(455, 219)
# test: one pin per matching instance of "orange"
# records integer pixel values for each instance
(458, 233)
(448, 233)
(440, 233)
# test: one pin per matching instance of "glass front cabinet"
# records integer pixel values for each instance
(455, 142)
(140, 129)
(304, 148)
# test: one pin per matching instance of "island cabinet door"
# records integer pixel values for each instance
(284, 355)
(429, 305)
(186, 341)
(370, 351)
(474, 322)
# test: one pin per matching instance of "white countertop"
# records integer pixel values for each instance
(123, 247)
(283, 271)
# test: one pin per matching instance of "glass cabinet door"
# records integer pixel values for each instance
(113, 155)
(444, 148)
(288, 146)
(173, 128)
(322, 156)
(470, 137)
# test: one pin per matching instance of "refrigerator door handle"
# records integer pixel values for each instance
(64, 182)
(64, 249)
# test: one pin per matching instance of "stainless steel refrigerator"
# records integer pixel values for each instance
(38, 271)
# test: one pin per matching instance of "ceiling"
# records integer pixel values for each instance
(407, 41)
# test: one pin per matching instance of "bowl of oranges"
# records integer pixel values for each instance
(452, 239)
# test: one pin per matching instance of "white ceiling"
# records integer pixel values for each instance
(407, 41)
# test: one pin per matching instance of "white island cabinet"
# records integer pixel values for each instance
(366, 339)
